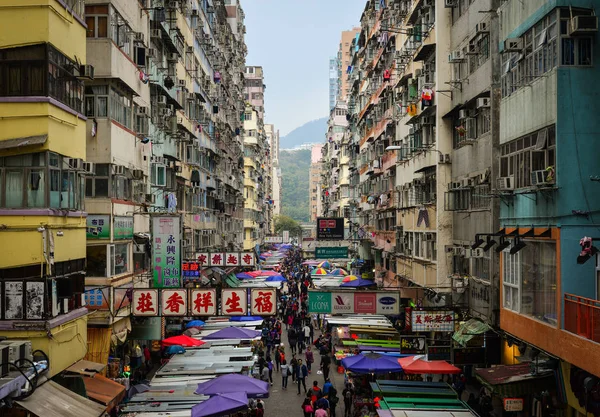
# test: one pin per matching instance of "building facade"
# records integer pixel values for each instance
(343, 62)
(276, 178)
(333, 81)
(315, 189)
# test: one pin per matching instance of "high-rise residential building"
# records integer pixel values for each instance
(257, 162)
(333, 81)
(344, 59)
(335, 171)
(315, 182)
(42, 154)
(276, 178)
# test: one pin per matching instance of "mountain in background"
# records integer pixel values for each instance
(294, 170)
(311, 132)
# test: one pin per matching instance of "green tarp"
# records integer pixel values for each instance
(469, 330)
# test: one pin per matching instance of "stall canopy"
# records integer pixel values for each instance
(358, 283)
(104, 390)
(221, 405)
(195, 323)
(371, 363)
(182, 340)
(229, 383)
(469, 330)
(245, 318)
(53, 400)
(276, 278)
(416, 365)
(233, 333)
(515, 380)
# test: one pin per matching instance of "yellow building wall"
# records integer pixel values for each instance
(27, 22)
(66, 132)
(21, 243)
(66, 345)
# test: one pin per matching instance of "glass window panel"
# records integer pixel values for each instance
(55, 189)
(121, 259)
(101, 187)
(14, 188)
(36, 188)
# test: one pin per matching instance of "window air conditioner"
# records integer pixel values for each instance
(481, 27)
(86, 71)
(118, 170)
(581, 25)
(162, 100)
(539, 177)
(138, 37)
(75, 163)
(506, 183)
(142, 111)
(155, 34)
(88, 167)
(150, 198)
(450, 3)
(468, 252)
(150, 53)
(477, 253)
(181, 83)
(173, 57)
(138, 174)
(463, 114)
(513, 45)
(483, 102)
(458, 251)
(455, 56)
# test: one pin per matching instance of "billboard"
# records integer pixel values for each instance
(359, 302)
(330, 228)
(166, 251)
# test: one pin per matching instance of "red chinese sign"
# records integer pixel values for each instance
(247, 259)
(174, 302)
(202, 258)
(203, 302)
(232, 259)
(145, 302)
(217, 259)
(234, 302)
(264, 302)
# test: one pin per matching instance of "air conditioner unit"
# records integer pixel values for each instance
(86, 71)
(142, 111)
(165, 112)
(179, 169)
(162, 100)
(506, 183)
(88, 167)
(458, 251)
(456, 56)
(513, 45)
(138, 37)
(428, 120)
(582, 25)
(194, 12)
(186, 243)
(468, 252)
(181, 83)
(450, 3)
(17, 350)
(477, 253)
(155, 33)
(138, 174)
(483, 102)
(418, 72)
(173, 4)
(150, 198)
(118, 170)
(173, 57)
(539, 177)
(472, 49)
(75, 163)
(481, 27)
(151, 53)
(463, 114)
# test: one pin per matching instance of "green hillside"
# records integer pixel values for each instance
(294, 170)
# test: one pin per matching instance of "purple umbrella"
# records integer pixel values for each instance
(233, 333)
(276, 278)
(254, 388)
(358, 283)
(221, 405)
(372, 363)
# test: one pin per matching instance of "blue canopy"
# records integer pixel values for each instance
(174, 350)
(276, 278)
(245, 318)
(194, 323)
(358, 283)
(371, 363)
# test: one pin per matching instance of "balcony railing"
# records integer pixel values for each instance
(582, 317)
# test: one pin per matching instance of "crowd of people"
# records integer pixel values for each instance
(304, 346)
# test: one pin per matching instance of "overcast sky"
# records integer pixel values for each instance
(293, 40)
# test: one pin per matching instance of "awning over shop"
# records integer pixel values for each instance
(515, 380)
(86, 368)
(53, 400)
(22, 142)
(469, 330)
(104, 390)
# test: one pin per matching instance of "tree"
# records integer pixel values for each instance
(287, 223)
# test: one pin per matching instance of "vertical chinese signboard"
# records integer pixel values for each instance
(174, 302)
(263, 302)
(145, 302)
(166, 251)
(234, 302)
(203, 302)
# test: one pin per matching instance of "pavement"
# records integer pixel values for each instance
(287, 403)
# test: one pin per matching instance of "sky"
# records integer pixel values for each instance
(293, 40)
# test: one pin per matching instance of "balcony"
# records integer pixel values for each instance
(582, 317)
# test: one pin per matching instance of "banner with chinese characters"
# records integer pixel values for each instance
(202, 258)
(247, 259)
(174, 302)
(412, 345)
(234, 302)
(123, 227)
(145, 302)
(217, 259)
(203, 302)
(432, 321)
(166, 251)
(232, 259)
(98, 226)
(191, 271)
(263, 302)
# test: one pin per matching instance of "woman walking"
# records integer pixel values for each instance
(285, 373)
(309, 358)
(307, 408)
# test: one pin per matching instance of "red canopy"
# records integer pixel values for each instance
(416, 365)
(260, 273)
(182, 340)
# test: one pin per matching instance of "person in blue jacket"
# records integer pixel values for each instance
(302, 373)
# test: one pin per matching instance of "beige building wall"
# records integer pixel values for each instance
(344, 60)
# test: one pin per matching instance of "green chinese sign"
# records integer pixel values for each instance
(331, 253)
(98, 226)
(123, 227)
(319, 302)
(166, 251)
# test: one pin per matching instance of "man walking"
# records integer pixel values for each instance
(301, 375)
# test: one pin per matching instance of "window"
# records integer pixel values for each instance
(576, 51)
(97, 185)
(96, 101)
(529, 157)
(248, 116)
(120, 258)
(529, 280)
(121, 108)
(96, 18)
(480, 267)
(108, 260)
(158, 175)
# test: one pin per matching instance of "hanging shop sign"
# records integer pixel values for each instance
(247, 259)
(413, 345)
(263, 302)
(373, 302)
(273, 239)
(202, 258)
(98, 226)
(513, 404)
(232, 259)
(217, 259)
(330, 228)
(174, 302)
(439, 353)
(166, 251)
(432, 321)
(97, 298)
(190, 271)
(331, 253)
(203, 302)
(286, 236)
(234, 302)
(123, 227)
(145, 302)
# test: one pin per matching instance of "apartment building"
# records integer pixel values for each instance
(334, 195)
(315, 188)
(333, 81)
(343, 62)
(42, 150)
(276, 178)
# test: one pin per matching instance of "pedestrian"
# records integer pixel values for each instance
(327, 386)
(333, 401)
(294, 365)
(277, 354)
(285, 373)
(147, 357)
(301, 375)
(321, 412)
(270, 370)
(316, 392)
(348, 395)
(459, 387)
(323, 403)
(260, 410)
(264, 374)
(325, 362)
(307, 408)
(292, 339)
(309, 358)
(300, 343)
(306, 330)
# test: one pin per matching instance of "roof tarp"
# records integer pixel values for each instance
(469, 330)
(53, 400)
(104, 390)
